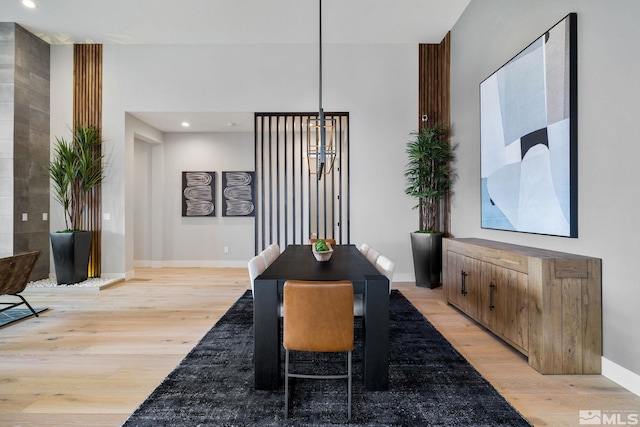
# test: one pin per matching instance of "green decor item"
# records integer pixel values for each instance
(75, 170)
(429, 177)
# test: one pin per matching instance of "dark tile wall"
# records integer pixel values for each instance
(29, 96)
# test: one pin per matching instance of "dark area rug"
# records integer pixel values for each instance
(431, 383)
(14, 314)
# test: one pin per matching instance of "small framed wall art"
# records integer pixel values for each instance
(198, 194)
(238, 194)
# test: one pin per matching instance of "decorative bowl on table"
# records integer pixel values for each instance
(322, 255)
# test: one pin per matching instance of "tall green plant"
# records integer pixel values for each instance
(429, 174)
(76, 169)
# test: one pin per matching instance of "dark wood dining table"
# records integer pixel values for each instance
(298, 263)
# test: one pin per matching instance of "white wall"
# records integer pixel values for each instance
(200, 241)
(142, 242)
(148, 193)
(61, 116)
(487, 35)
(376, 84)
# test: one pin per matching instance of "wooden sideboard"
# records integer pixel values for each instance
(546, 304)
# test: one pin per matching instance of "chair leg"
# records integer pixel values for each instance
(27, 304)
(349, 381)
(286, 384)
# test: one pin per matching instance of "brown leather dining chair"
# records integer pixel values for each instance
(318, 317)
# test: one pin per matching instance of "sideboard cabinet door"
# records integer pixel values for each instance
(505, 305)
(462, 290)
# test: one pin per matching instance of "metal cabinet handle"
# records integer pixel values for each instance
(492, 289)
(463, 287)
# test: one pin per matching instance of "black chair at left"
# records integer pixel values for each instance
(14, 276)
(318, 317)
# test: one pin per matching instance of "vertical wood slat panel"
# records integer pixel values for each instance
(434, 101)
(87, 111)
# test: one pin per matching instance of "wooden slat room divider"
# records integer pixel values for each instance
(87, 111)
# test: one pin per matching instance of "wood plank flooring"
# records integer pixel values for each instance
(94, 356)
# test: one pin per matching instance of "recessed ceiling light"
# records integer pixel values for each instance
(29, 3)
(185, 124)
(231, 124)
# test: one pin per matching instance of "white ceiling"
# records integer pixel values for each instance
(232, 22)
(235, 21)
(198, 122)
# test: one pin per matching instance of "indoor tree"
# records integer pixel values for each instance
(429, 174)
(75, 170)
(429, 177)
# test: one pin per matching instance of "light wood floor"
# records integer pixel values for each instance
(96, 355)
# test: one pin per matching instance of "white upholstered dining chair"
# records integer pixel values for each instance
(256, 267)
(372, 255)
(364, 248)
(275, 248)
(386, 266)
(270, 254)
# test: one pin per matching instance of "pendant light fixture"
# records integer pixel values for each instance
(321, 149)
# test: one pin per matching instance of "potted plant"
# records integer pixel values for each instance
(429, 176)
(75, 170)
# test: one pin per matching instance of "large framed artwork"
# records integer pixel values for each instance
(198, 194)
(238, 194)
(528, 137)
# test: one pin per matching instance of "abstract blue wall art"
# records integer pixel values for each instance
(528, 138)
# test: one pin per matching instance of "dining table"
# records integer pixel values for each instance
(297, 262)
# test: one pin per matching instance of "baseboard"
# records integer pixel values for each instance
(622, 376)
(191, 264)
(115, 276)
(406, 277)
(148, 264)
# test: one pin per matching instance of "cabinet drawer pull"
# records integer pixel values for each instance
(492, 289)
(463, 287)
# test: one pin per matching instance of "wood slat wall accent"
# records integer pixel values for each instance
(434, 100)
(87, 110)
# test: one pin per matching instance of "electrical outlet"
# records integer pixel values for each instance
(226, 249)
(25, 217)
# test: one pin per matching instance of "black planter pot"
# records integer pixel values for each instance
(71, 256)
(427, 258)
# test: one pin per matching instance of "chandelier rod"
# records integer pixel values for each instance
(320, 51)
(323, 137)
